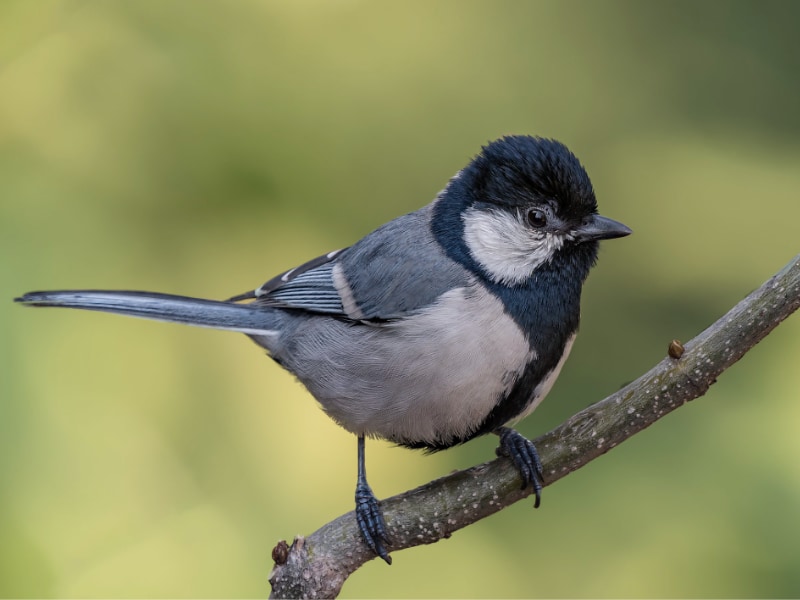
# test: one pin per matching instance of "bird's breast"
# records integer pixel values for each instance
(429, 379)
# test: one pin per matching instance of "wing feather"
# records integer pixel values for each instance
(397, 270)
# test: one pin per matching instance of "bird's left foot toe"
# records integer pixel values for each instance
(371, 522)
(523, 454)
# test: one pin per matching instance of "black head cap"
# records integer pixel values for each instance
(531, 178)
(519, 169)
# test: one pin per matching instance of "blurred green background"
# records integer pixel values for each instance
(201, 147)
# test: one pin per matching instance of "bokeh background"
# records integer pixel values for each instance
(201, 147)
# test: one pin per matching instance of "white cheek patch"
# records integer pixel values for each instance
(508, 249)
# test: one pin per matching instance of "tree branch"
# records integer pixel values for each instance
(317, 566)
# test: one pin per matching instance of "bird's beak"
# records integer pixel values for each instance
(597, 227)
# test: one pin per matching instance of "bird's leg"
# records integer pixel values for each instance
(523, 454)
(368, 513)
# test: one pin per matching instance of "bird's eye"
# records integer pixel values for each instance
(537, 218)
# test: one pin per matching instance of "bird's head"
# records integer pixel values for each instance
(521, 203)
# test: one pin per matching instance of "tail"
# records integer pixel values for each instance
(244, 318)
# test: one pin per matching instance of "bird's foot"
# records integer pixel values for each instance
(523, 454)
(370, 521)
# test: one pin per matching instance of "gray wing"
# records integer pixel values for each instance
(396, 270)
(307, 287)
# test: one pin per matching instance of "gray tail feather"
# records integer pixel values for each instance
(244, 318)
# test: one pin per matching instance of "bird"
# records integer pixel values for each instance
(442, 325)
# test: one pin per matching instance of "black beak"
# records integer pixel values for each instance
(597, 227)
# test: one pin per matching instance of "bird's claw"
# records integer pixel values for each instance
(523, 454)
(371, 522)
